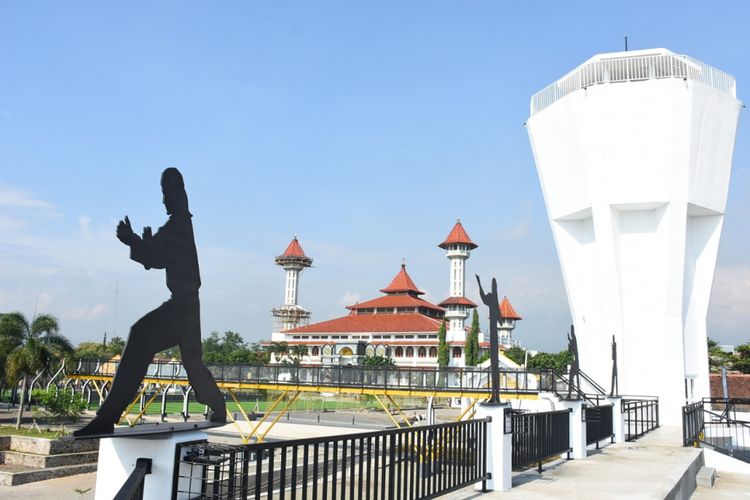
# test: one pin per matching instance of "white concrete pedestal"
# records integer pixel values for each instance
(117, 457)
(499, 447)
(577, 429)
(618, 419)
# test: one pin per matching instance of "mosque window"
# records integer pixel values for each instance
(399, 352)
(456, 352)
(422, 352)
(409, 352)
(315, 351)
(433, 352)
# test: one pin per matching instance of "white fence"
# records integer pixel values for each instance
(633, 68)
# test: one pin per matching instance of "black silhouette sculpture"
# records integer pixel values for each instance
(175, 322)
(615, 390)
(491, 300)
(575, 366)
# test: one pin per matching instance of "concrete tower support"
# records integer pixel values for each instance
(634, 152)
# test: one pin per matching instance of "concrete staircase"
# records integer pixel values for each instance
(25, 459)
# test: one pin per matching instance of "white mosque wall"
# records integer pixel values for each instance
(635, 178)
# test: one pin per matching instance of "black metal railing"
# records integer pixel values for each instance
(464, 380)
(641, 415)
(418, 462)
(539, 436)
(598, 423)
(714, 422)
(692, 423)
(133, 487)
(552, 381)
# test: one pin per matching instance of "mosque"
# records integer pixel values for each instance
(399, 324)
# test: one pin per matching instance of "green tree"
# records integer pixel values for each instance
(443, 350)
(377, 361)
(30, 347)
(170, 353)
(552, 361)
(116, 346)
(298, 351)
(742, 358)
(472, 341)
(212, 348)
(91, 350)
(278, 349)
(258, 355)
(62, 405)
(516, 354)
(227, 348)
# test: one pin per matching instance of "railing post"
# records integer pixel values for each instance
(618, 418)
(577, 428)
(498, 447)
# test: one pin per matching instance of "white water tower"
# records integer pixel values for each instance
(634, 152)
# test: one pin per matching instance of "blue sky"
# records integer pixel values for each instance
(366, 129)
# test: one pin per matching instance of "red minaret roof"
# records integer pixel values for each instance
(402, 283)
(294, 255)
(458, 235)
(294, 249)
(507, 311)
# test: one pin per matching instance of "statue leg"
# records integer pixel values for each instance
(146, 339)
(203, 383)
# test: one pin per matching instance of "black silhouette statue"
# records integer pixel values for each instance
(575, 366)
(491, 300)
(615, 386)
(175, 322)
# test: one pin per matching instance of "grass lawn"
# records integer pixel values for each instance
(175, 407)
(6, 430)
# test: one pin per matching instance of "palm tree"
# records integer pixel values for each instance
(278, 349)
(29, 347)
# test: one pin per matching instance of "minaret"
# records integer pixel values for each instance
(458, 247)
(634, 153)
(291, 315)
(507, 323)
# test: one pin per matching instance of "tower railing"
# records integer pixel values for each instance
(633, 68)
(715, 422)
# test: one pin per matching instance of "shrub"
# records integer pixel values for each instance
(62, 404)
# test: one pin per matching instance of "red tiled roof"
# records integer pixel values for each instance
(507, 311)
(461, 301)
(373, 323)
(402, 283)
(388, 301)
(294, 249)
(458, 235)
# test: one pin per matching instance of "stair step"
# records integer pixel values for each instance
(44, 461)
(13, 474)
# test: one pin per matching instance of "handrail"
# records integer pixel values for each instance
(133, 487)
(633, 68)
(719, 430)
(599, 389)
(451, 379)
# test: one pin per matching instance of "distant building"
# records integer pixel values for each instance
(399, 324)
(507, 323)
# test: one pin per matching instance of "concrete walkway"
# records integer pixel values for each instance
(80, 487)
(649, 468)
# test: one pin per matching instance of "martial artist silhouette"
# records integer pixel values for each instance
(575, 365)
(175, 322)
(491, 300)
(615, 386)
